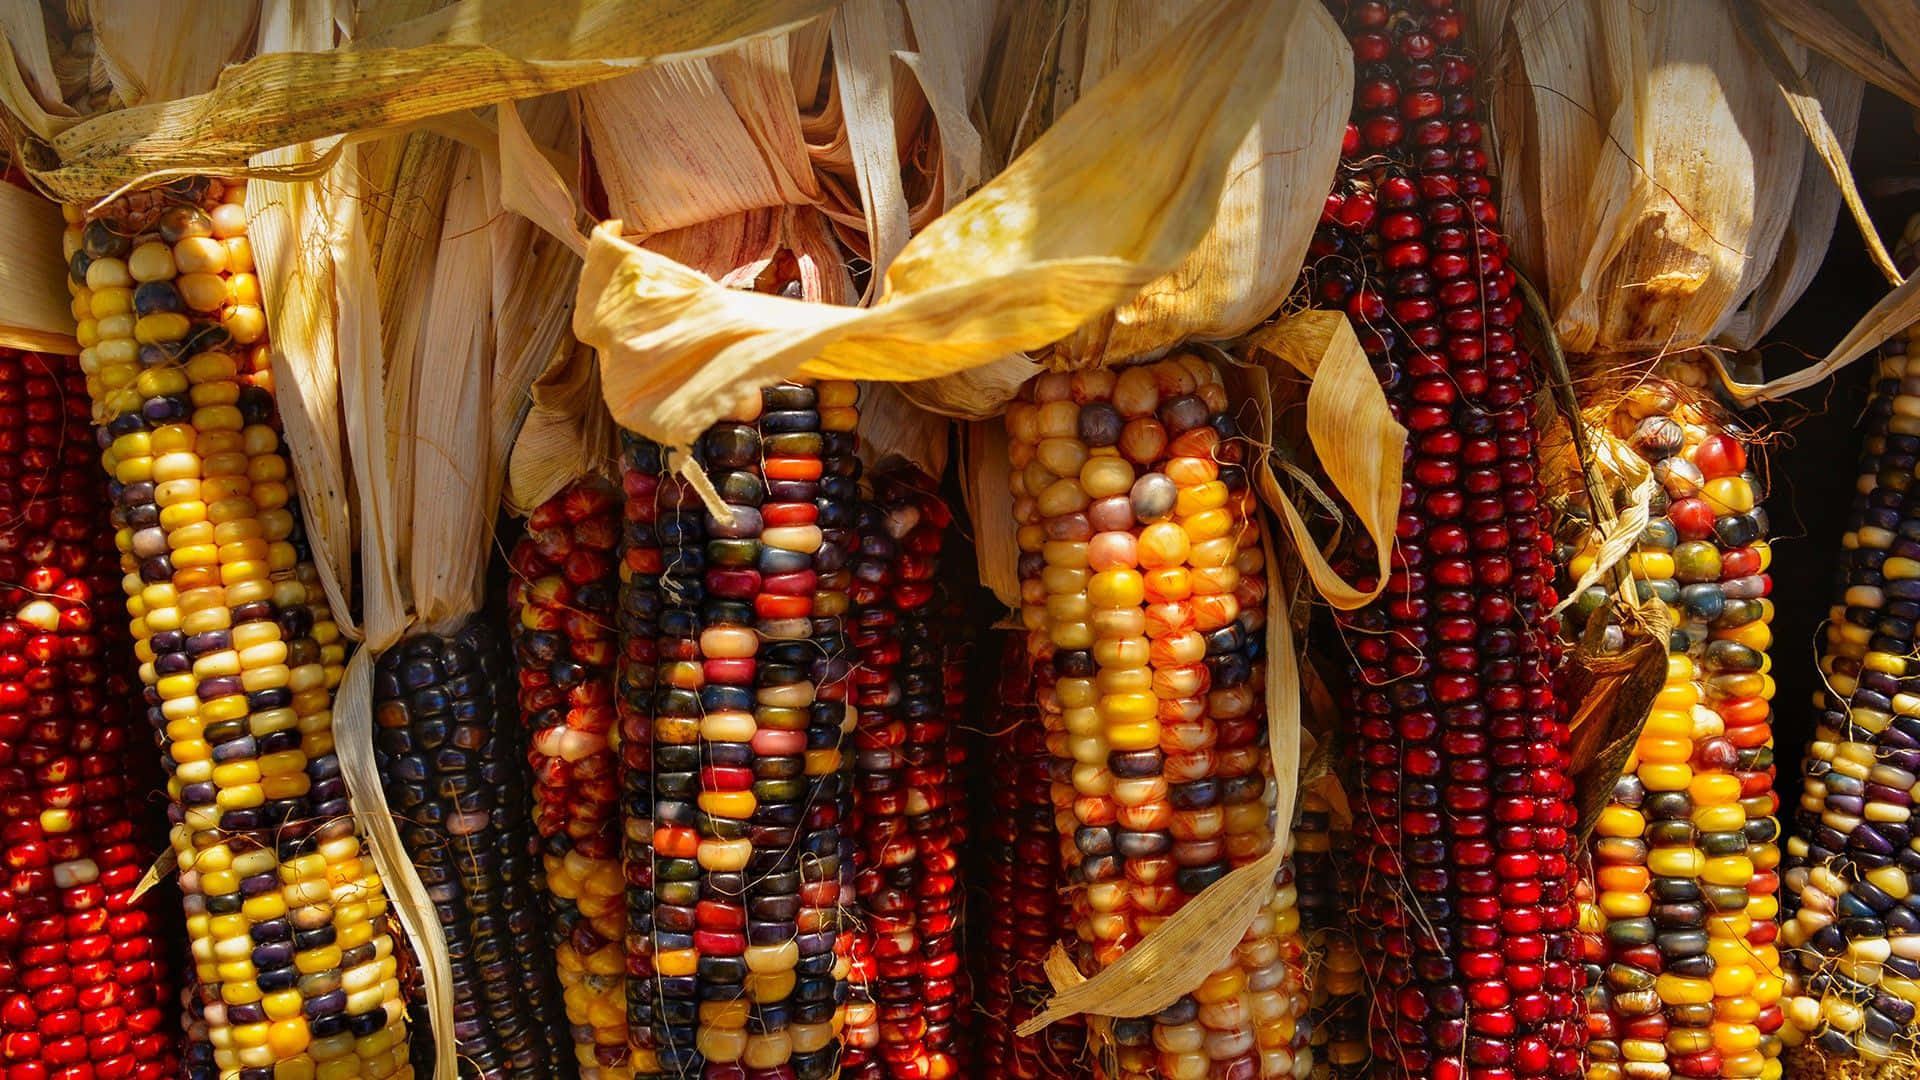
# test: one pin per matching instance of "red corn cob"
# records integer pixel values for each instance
(1026, 904)
(904, 824)
(85, 989)
(562, 597)
(1464, 816)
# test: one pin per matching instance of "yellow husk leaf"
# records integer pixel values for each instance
(1199, 938)
(470, 54)
(1815, 25)
(1249, 259)
(35, 311)
(1610, 114)
(892, 426)
(1017, 265)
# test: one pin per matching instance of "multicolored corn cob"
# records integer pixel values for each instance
(445, 743)
(1027, 905)
(1323, 858)
(291, 942)
(1464, 812)
(748, 714)
(904, 828)
(1852, 931)
(1143, 587)
(562, 599)
(1684, 976)
(85, 986)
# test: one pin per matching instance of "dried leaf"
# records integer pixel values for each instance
(1612, 695)
(1612, 108)
(152, 53)
(472, 53)
(35, 311)
(1354, 435)
(892, 426)
(1815, 25)
(985, 476)
(1895, 312)
(1017, 265)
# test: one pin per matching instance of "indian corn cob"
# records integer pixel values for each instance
(1464, 813)
(1685, 977)
(85, 986)
(745, 767)
(1143, 588)
(903, 825)
(563, 598)
(1323, 860)
(287, 918)
(444, 742)
(651, 510)
(1027, 908)
(1852, 930)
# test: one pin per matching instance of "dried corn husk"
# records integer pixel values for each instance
(469, 54)
(35, 311)
(1247, 262)
(151, 53)
(1653, 170)
(1016, 266)
(1840, 32)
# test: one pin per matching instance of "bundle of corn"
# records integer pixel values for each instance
(1685, 978)
(1143, 588)
(562, 598)
(1853, 926)
(443, 743)
(294, 960)
(905, 828)
(1323, 861)
(1465, 811)
(1027, 906)
(85, 986)
(742, 788)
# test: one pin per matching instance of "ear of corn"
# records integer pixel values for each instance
(290, 937)
(1325, 876)
(1853, 927)
(563, 600)
(1143, 587)
(908, 675)
(85, 986)
(743, 785)
(1464, 812)
(445, 739)
(1027, 909)
(1684, 974)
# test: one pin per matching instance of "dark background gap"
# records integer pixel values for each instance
(1814, 442)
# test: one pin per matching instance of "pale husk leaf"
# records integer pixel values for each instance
(985, 473)
(35, 311)
(455, 493)
(1607, 121)
(152, 53)
(892, 426)
(1817, 27)
(1199, 938)
(32, 76)
(472, 53)
(1804, 246)
(1015, 266)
